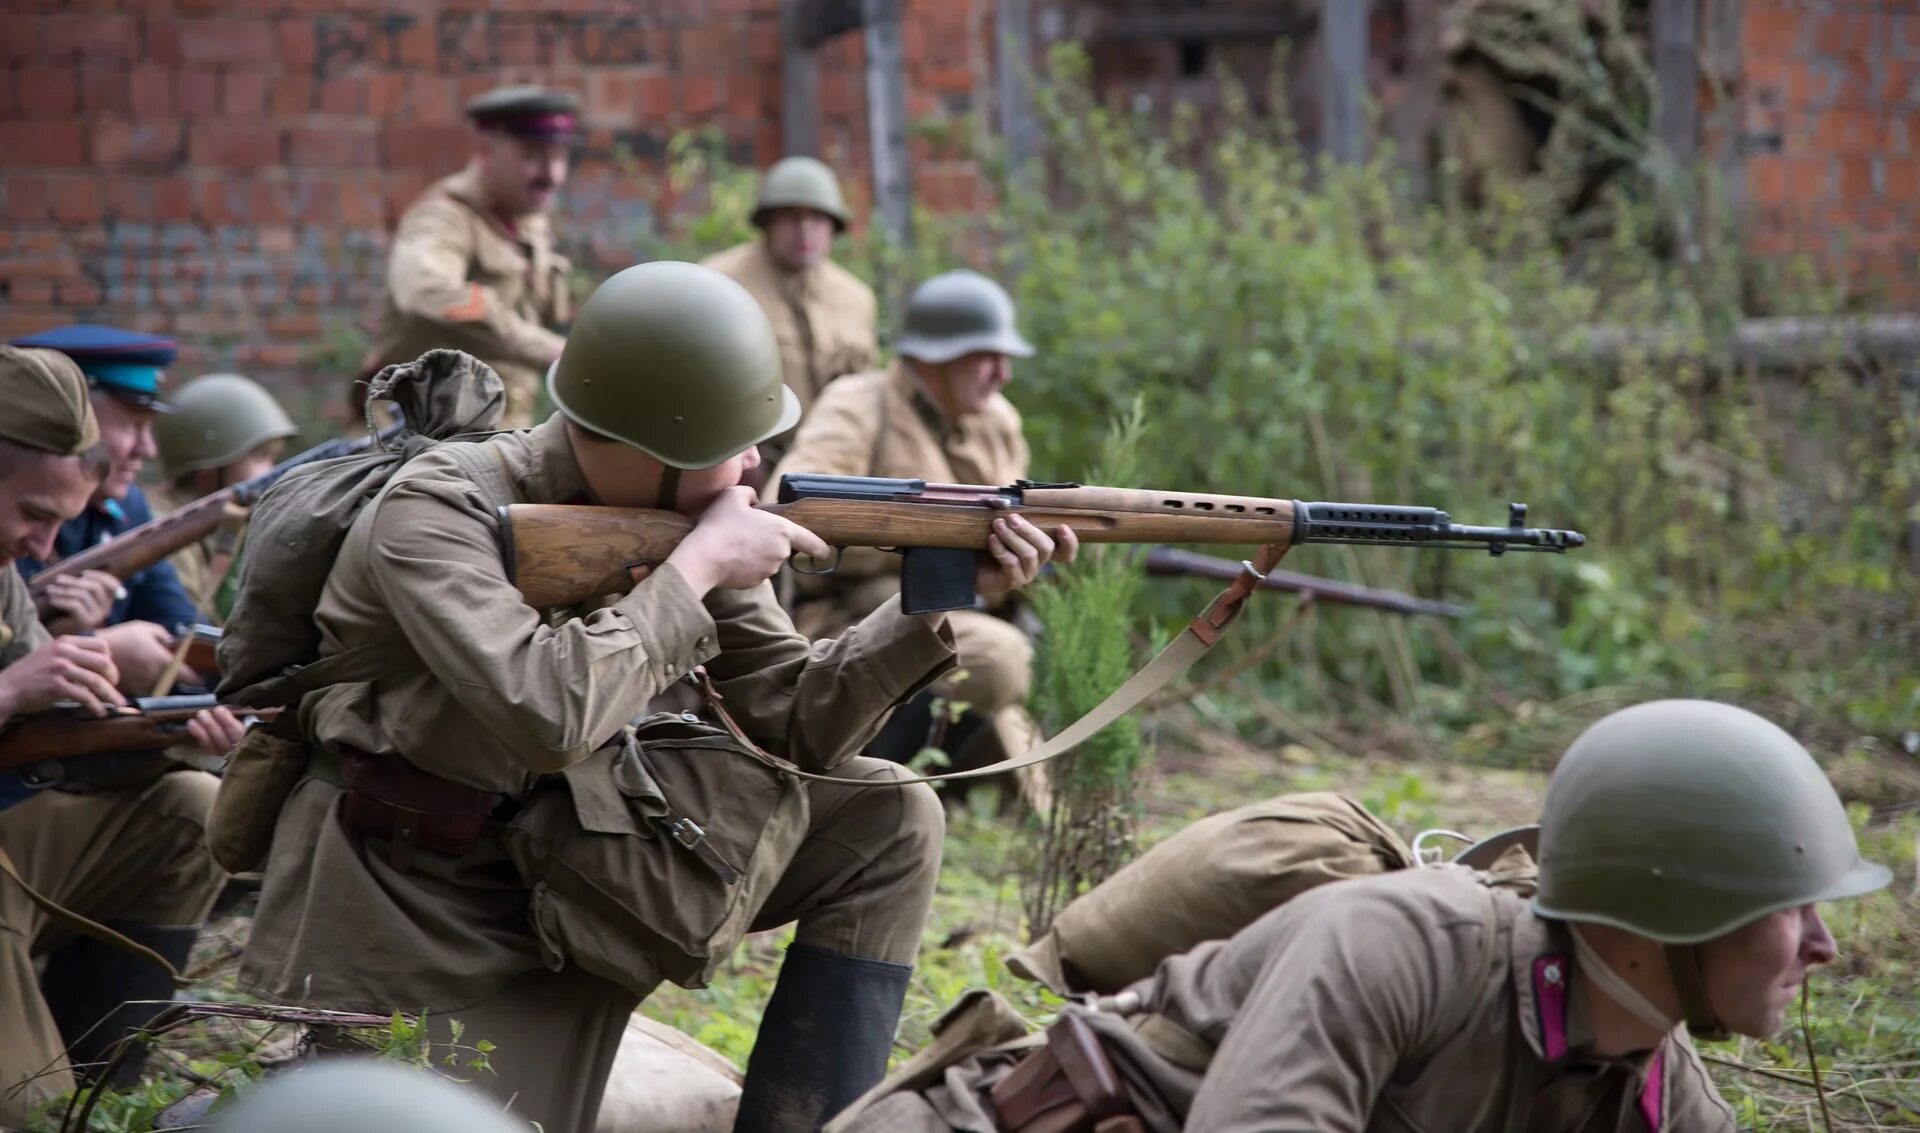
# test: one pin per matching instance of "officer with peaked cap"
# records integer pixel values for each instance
(125, 371)
(132, 857)
(473, 265)
(938, 413)
(822, 315)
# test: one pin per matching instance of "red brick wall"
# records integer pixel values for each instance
(228, 170)
(1832, 122)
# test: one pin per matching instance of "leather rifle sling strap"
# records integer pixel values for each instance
(1193, 643)
(86, 926)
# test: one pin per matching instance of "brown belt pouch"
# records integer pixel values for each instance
(1067, 1086)
(387, 797)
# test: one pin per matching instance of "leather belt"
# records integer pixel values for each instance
(387, 797)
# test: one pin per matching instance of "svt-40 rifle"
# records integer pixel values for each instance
(560, 554)
(138, 548)
(148, 724)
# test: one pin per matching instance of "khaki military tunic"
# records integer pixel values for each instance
(1425, 999)
(135, 857)
(823, 318)
(458, 277)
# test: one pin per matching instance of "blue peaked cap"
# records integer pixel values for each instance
(125, 363)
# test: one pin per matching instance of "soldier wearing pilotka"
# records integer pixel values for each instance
(473, 265)
(433, 856)
(822, 315)
(1684, 849)
(938, 413)
(131, 857)
(224, 429)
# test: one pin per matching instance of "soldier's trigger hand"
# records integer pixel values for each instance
(67, 668)
(737, 547)
(1016, 552)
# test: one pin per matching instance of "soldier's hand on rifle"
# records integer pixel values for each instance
(79, 602)
(141, 651)
(67, 668)
(736, 547)
(217, 731)
(1017, 550)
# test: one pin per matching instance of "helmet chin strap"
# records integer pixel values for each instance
(669, 489)
(1614, 987)
(1683, 965)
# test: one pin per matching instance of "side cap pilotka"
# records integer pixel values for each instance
(46, 398)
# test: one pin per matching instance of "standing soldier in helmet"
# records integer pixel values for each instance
(473, 266)
(418, 863)
(1684, 846)
(224, 430)
(822, 315)
(938, 413)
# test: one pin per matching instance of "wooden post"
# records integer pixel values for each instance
(799, 83)
(1013, 22)
(1676, 73)
(1343, 78)
(1419, 106)
(887, 119)
(1723, 55)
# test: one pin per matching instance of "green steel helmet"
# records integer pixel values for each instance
(959, 312)
(216, 420)
(1682, 820)
(676, 360)
(801, 182)
(360, 1093)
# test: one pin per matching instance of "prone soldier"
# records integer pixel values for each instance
(1684, 848)
(137, 618)
(822, 315)
(223, 430)
(133, 858)
(938, 413)
(473, 265)
(416, 863)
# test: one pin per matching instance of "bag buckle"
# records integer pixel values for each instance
(687, 832)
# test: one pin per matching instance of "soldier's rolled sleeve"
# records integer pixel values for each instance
(553, 693)
(427, 277)
(819, 702)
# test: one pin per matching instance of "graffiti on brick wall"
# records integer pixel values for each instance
(486, 40)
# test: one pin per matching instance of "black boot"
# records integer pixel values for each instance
(89, 984)
(906, 731)
(823, 1040)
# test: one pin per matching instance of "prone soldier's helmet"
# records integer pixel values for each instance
(956, 313)
(676, 360)
(800, 182)
(361, 1093)
(216, 420)
(1681, 820)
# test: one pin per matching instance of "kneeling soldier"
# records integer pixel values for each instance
(380, 895)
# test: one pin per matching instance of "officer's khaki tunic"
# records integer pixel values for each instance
(882, 424)
(123, 857)
(499, 695)
(458, 277)
(822, 317)
(1419, 1000)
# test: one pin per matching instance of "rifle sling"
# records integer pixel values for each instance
(86, 926)
(1193, 643)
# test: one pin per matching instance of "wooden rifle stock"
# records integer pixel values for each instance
(138, 548)
(65, 733)
(1169, 562)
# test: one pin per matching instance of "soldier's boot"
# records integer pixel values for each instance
(823, 1040)
(93, 991)
(911, 729)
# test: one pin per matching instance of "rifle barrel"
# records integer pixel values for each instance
(1171, 562)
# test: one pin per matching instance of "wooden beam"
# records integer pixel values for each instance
(1013, 23)
(887, 120)
(1343, 78)
(817, 21)
(1197, 23)
(799, 84)
(1676, 73)
(1722, 57)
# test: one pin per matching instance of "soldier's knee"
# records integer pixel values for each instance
(916, 821)
(183, 795)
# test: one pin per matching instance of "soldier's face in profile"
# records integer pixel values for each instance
(521, 175)
(798, 238)
(1753, 973)
(126, 430)
(38, 492)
